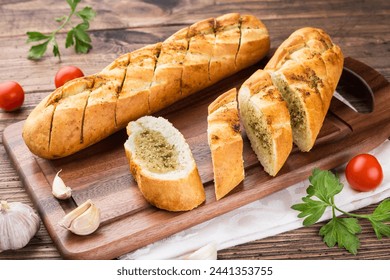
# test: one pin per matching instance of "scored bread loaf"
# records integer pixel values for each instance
(88, 109)
(266, 121)
(225, 141)
(306, 69)
(162, 164)
(289, 99)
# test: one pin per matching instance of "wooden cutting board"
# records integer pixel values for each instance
(101, 172)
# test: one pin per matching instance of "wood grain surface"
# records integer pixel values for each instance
(128, 222)
(359, 27)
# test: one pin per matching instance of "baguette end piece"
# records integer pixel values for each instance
(37, 129)
(306, 69)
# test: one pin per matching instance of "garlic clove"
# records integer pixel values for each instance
(18, 224)
(87, 222)
(59, 189)
(83, 220)
(208, 252)
(71, 216)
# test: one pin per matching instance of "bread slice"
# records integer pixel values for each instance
(266, 121)
(225, 141)
(306, 69)
(162, 164)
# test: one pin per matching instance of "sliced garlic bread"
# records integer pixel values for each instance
(266, 121)
(225, 141)
(306, 69)
(162, 164)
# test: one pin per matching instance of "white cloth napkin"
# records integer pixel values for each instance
(265, 217)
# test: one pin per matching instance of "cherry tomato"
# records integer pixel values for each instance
(11, 96)
(66, 74)
(364, 172)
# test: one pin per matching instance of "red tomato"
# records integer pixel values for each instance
(66, 74)
(11, 96)
(364, 172)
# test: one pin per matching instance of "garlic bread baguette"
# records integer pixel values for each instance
(162, 164)
(266, 121)
(86, 110)
(225, 141)
(306, 69)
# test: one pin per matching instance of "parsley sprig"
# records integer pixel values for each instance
(76, 36)
(324, 186)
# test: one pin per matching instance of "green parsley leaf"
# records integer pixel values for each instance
(37, 51)
(382, 211)
(82, 47)
(73, 4)
(34, 36)
(82, 26)
(378, 218)
(86, 14)
(342, 231)
(380, 228)
(56, 52)
(77, 35)
(324, 185)
(69, 39)
(80, 34)
(311, 209)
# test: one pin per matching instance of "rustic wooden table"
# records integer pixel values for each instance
(361, 28)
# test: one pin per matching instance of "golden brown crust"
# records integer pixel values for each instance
(311, 65)
(225, 143)
(135, 89)
(166, 85)
(227, 42)
(334, 61)
(165, 194)
(143, 82)
(254, 42)
(37, 128)
(223, 99)
(196, 62)
(68, 113)
(312, 39)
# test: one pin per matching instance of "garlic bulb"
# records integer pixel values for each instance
(83, 220)
(207, 252)
(18, 224)
(59, 189)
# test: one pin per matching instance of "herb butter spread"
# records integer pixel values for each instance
(155, 152)
(259, 129)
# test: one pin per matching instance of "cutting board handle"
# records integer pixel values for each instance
(371, 105)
